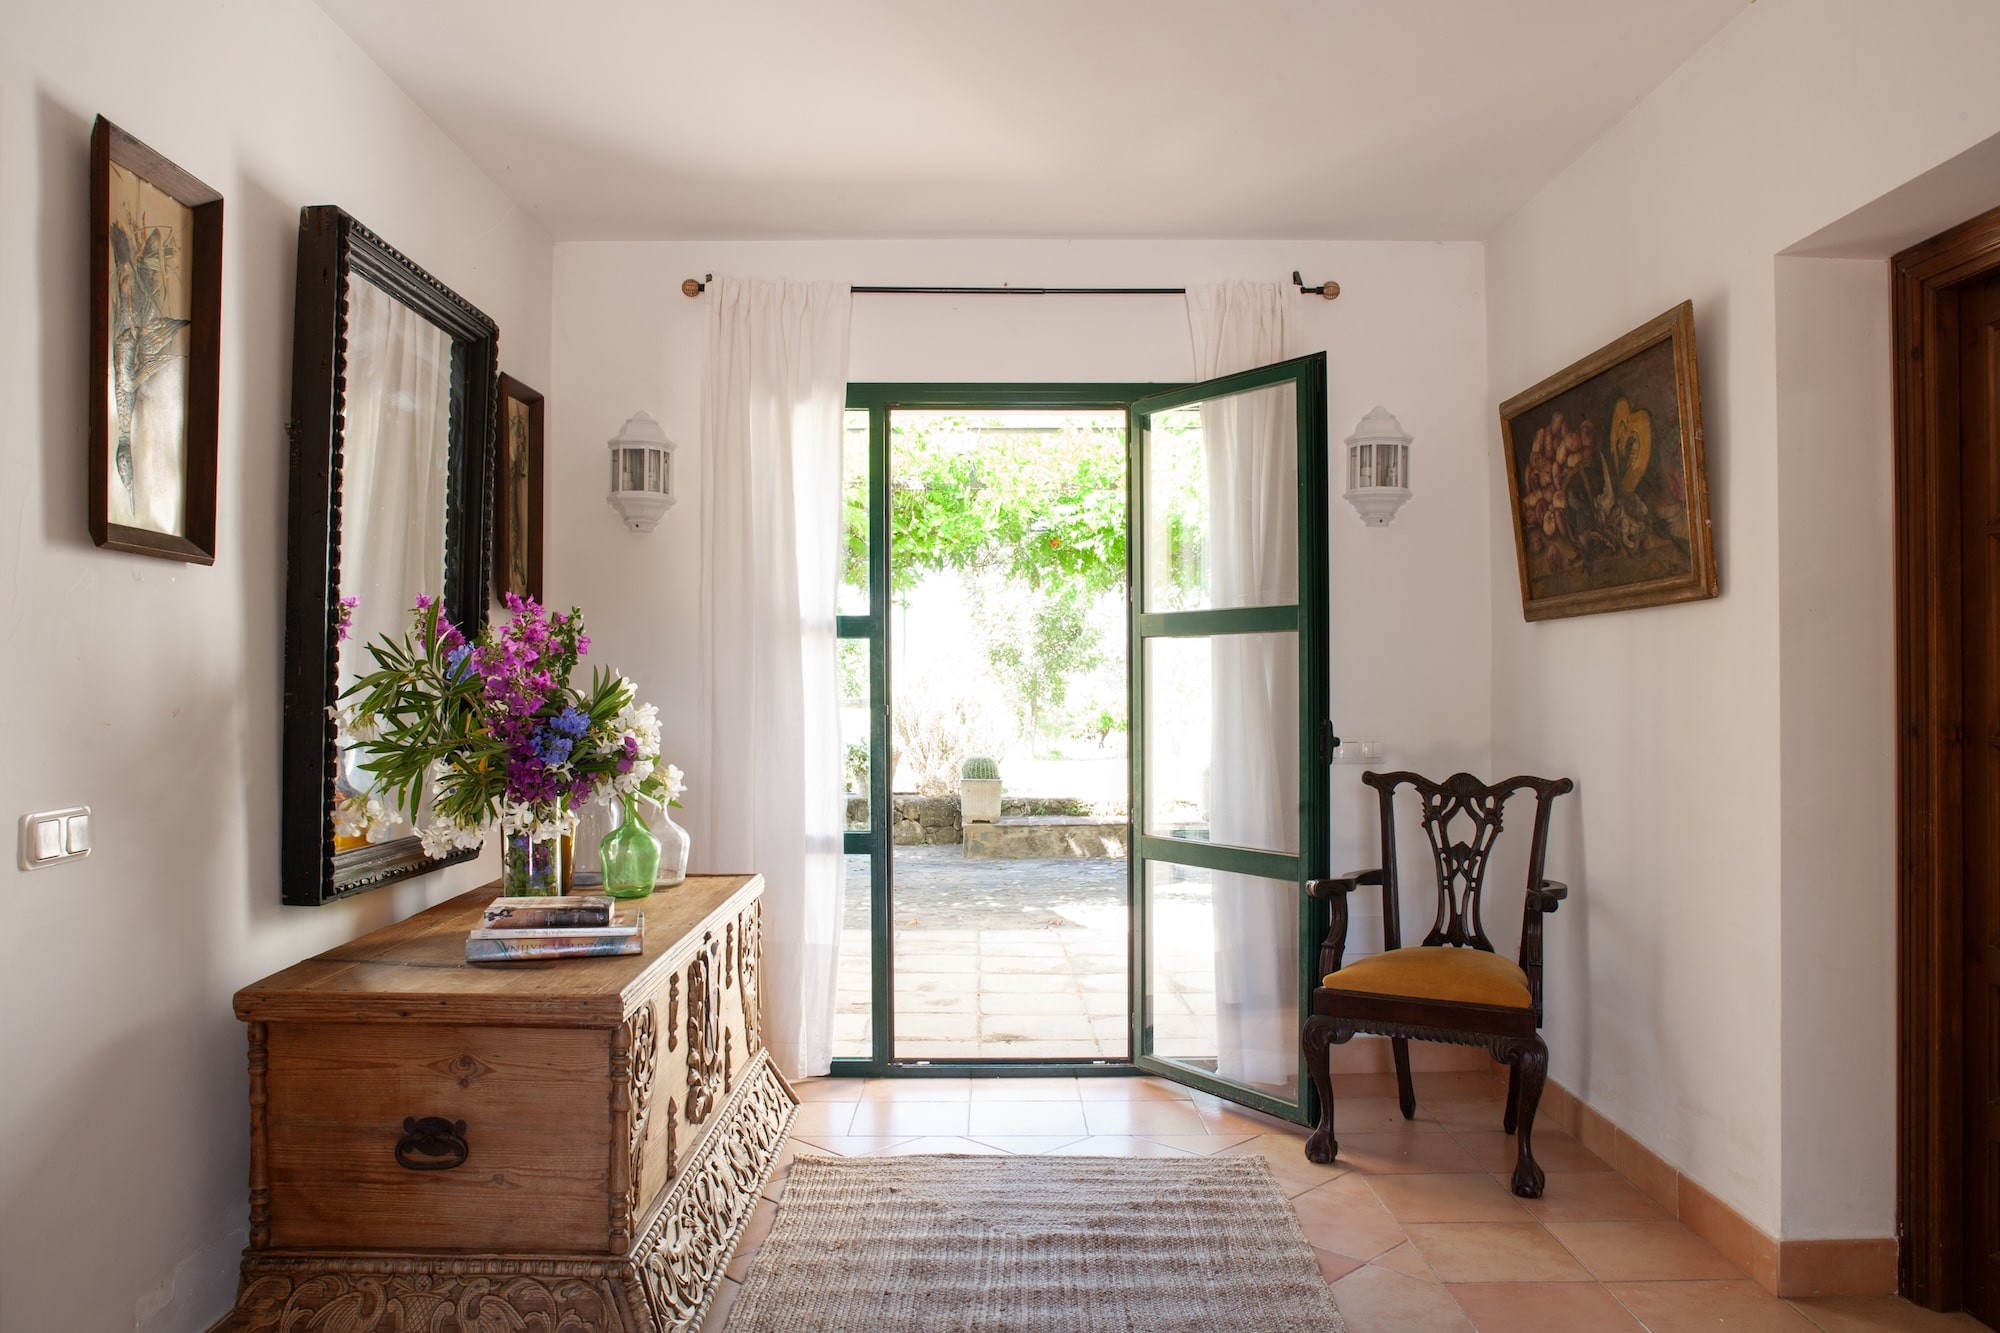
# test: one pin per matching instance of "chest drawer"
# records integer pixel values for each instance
(537, 1111)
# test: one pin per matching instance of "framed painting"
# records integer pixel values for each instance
(155, 351)
(1606, 478)
(517, 511)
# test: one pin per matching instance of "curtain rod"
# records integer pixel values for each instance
(1328, 289)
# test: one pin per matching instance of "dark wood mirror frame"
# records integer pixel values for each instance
(333, 248)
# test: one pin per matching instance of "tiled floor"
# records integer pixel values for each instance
(1414, 1226)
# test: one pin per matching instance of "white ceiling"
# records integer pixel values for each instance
(1362, 119)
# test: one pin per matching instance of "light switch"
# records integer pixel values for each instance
(50, 837)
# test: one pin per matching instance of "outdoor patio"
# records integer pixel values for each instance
(1024, 960)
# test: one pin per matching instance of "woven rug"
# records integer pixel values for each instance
(946, 1244)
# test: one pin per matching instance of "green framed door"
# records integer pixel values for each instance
(1230, 731)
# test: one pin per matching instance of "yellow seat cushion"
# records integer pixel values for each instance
(1464, 976)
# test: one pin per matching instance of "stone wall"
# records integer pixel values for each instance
(934, 820)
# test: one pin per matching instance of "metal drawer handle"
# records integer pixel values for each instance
(431, 1144)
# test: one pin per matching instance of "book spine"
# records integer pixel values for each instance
(550, 919)
(525, 950)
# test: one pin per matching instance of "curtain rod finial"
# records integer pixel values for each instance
(693, 287)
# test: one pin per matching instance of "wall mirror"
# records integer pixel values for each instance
(394, 387)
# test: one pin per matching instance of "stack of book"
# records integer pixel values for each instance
(516, 930)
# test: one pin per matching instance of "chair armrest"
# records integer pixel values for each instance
(1348, 883)
(1545, 896)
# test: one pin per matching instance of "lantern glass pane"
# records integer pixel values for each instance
(1363, 457)
(653, 470)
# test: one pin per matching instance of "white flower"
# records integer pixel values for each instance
(445, 836)
(676, 782)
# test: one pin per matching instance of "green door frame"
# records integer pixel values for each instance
(1309, 618)
(878, 400)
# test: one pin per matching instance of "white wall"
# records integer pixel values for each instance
(150, 689)
(1734, 784)
(1410, 602)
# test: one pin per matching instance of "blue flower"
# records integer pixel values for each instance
(458, 663)
(571, 722)
(551, 748)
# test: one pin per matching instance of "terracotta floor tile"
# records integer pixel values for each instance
(1495, 1252)
(1881, 1314)
(1543, 1307)
(1364, 1085)
(829, 1089)
(1220, 1117)
(943, 1143)
(1709, 1307)
(1408, 1260)
(1027, 1145)
(1017, 1118)
(1024, 1089)
(1554, 1151)
(1375, 1300)
(901, 1117)
(718, 1310)
(1589, 1196)
(1130, 1090)
(1205, 1144)
(1463, 1112)
(1404, 1150)
(851, 1145)
(1367, 1115)
(817, 1118)
(917, 1089)
(1287, 1157)
(1119, 1145)
(1147, 1118)
(1447, 1198)
(1642, 1251)
(1334, 1267)
(754, 1232)
(1347, 1218)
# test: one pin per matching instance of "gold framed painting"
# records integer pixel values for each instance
(517, 499)
(155, 351)
(1607, 480)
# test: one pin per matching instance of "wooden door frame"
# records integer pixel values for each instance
(1930, 890)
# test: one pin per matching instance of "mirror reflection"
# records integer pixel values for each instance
(394, 497)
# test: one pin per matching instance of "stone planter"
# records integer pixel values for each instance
(979, 800)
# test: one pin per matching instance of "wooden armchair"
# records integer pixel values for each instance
(1452, 987)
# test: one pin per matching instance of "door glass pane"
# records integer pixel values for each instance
(1221, 502)
(1222, 739)
(1223, 954)
(854, 1007)
(855, 716)
(854, 516)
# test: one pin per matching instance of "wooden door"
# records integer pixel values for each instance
(1979, 389)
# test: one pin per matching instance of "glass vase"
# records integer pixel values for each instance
(674, 844)
(585, 866)
(530, 866)
(630, 855)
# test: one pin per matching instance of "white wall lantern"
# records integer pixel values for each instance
(642, 473)
(1378, 468)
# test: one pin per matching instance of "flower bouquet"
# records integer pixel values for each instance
(491, 734)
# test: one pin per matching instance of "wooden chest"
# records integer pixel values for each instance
(568, 1145)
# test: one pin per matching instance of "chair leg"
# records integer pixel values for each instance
(1316, 1040)
(1513, 1116)
(1406, 1093)
(1531, 1068)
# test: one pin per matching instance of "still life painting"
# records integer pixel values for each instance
(1608, 481)
(156, 241)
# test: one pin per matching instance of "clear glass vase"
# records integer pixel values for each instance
(530, 866)
(674, 844)
(630, 855)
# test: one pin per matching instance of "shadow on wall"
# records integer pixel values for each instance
(63, 141)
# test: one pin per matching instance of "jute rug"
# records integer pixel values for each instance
(946, 1244)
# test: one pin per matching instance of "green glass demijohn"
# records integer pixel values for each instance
(631, 855)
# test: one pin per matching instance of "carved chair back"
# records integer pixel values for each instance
(1462, 819)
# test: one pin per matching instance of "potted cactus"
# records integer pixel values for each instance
(979, 791)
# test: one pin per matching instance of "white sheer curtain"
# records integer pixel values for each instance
(1252, 473)
(771, 414)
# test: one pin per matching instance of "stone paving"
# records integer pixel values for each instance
(1020, 960)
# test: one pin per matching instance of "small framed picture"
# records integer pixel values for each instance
(1608, 478)
(155, 351)
(517, 508)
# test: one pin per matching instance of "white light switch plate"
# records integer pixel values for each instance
(1360, 752)
(54, 836)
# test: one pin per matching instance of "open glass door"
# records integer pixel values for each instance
(1230, 733)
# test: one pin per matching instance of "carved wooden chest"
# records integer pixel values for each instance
(569, 1145)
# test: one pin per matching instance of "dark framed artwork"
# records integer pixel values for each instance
(155, 351)
(1607, 481)
(517, 511)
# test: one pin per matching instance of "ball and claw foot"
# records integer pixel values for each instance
(1528, 1179)
(1321, 1148)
